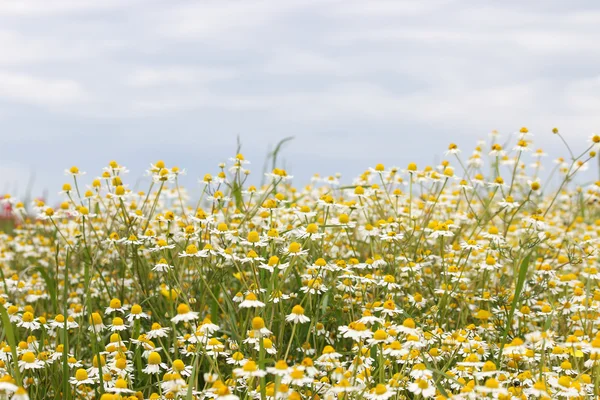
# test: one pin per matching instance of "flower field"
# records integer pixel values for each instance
(475, 278)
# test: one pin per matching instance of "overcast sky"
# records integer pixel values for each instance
(356, 82)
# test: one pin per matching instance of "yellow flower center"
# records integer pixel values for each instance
(136, 309)
(28, 357)
(178, 365)
(298, 310)
(380, 334)
(253, 237)
(115, 303)
(258, 323)
(81, 374)
(27, 317)
(281, 365)
(380, 389)
(250, 366)
(183, 309)
(409, 323)
(294, 247)
(154, 358)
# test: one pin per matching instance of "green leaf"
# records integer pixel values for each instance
(518, 288)
(12, 340)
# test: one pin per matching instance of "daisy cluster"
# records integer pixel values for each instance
(469, 279)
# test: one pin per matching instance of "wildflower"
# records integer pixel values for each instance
(30, 361)
(356, 331)
(162, 266)
(408, 327)
(280, 369)
(297, 315)
(595, 140)
(154, 364)
(539, 389)
(7, 384)
(28, 321)
(379, 336)
(491, 386)
(115, 306)
(381, 392)
(268, 346)
(251, 301)
(96, 324)
(81, 378)
(249, 370)
(162, 244)
(136, 313)
(297, 376)
(120, 387)
(389, 309)
(236, 358)
(258, 326)
(184, 314)
(295, 249)
(20, 394)
(179, 367)
(221, 391)
(118, 325)
(423, 387)
(344, 386)
(191, 251)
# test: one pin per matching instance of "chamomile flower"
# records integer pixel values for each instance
(136, 313)
(249, 370)
(184, 314)
(162, 266)
(120, 387)
(423, 387)
(81, 378)
(157, 331)
(115, 306)
(96, 324)
(297, 315)
(179, 367)
(28, 321)
(356, 331)
(118, 325)
(29, 361)
(154, 364)
(251, 301)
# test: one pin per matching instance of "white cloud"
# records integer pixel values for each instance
(296, 61)
(19, 49)
(33, 90)
(56, 7)
(583, 96)
(222, 21)
(174, 75)
(387, 8)
(261, 66)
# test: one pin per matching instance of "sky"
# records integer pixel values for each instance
(354, 82)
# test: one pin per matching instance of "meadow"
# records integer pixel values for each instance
(469, 279)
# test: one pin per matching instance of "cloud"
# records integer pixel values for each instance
(222, 21)
(379, 72)
(177, 75)
(32, 90)
(296, 61)
(57, 7)
(386, 8)
(583, 96)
